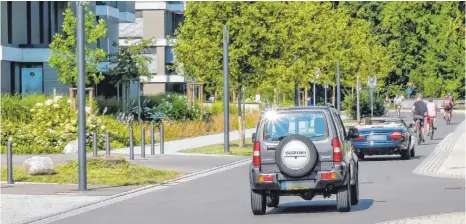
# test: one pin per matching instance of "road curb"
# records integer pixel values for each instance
(431, 165)
(443, 218)
(133, 193)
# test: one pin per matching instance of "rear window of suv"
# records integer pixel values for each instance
(310, 124)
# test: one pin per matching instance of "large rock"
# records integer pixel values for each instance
(38, 165)
(71, 147)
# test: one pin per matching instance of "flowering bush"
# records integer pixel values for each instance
(52, 126)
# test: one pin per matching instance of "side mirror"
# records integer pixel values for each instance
(253, 137)
(353, 132)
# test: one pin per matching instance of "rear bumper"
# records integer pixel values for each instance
(282, 183)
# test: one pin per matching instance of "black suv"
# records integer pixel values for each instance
(303, 151)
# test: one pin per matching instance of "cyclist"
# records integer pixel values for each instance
(419, 112)
(431, 113)
(398, 101)
(447, 106)
(387, 105)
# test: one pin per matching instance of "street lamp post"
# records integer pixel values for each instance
(226, 93)
(338, 87)
(358, 114)
(81, 97)
(314, 87)
(325, 96)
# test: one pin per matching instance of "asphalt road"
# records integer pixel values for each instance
(388, 190)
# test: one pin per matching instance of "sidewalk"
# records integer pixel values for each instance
(445, 218)
(173, 147)
(448, 158)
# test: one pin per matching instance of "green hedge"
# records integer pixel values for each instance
(349, 104)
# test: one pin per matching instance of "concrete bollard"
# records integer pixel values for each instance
(152, 141)
(9, 163)
(143, 142)
(162, 140)
(131, 144)
(107, 143)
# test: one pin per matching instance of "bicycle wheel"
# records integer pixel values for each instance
(432, 131)
(419, 138)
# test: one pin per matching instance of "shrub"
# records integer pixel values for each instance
(112, 105)
(16, 108)
(52, 127)
(349, 104)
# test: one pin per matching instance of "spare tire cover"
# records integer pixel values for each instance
(296, 155)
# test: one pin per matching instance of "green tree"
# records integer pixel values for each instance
(130, 62)
(63, 48)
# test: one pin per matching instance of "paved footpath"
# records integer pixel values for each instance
(446, 218)
(173, 147)
(448, 158)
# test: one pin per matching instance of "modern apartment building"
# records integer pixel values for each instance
(27, 28)
(157, 19)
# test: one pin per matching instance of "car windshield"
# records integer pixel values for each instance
(310, 124)
(383, 123)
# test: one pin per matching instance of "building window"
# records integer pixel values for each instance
(9, 10)
(28, 19)
(55, 15)
(170, 69)
(49, 18)
(41, 21)
(97, 18)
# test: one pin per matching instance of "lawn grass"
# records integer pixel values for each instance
(117, 172)
(218, 149)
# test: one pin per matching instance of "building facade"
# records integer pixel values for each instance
(27, 28)
(159, 20)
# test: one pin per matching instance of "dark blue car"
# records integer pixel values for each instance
(384, 136)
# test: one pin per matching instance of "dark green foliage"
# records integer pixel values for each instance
(350, 107)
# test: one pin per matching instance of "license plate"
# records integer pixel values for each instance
(376, 138)
(295, 185)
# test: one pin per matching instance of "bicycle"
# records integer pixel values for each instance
(418, 131)
(398, 110)
(431, 128)
(448, 117)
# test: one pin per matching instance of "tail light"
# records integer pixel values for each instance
(396, 135)
(256, 154)
(336, 150)
(359, 138)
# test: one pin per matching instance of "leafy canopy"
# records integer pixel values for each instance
(63, 48)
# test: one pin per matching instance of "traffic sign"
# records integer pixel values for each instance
(372, 82)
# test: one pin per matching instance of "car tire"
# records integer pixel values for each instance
(406, 154)
(273, 200)
(361, 156)
(355, 190)
(258, 202)
(310, 148)
(344, 198)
